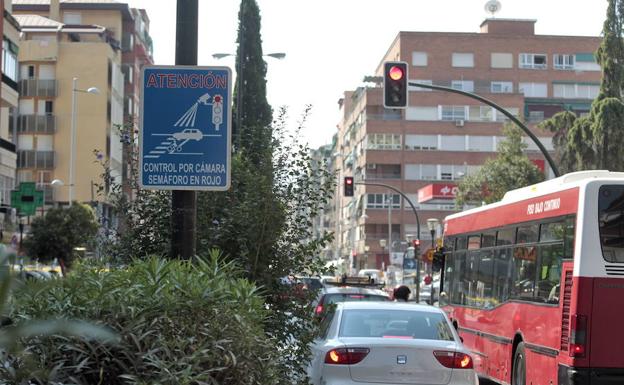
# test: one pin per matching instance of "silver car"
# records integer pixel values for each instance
(389, 343)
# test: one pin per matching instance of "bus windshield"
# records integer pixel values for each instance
(611, 222)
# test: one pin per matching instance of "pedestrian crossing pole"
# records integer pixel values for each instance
(184, 203)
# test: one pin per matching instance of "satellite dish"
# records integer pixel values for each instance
(493, 6)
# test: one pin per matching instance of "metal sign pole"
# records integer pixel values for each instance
(184, 203)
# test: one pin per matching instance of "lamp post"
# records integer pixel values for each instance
(72, 153)
(239, 80)
(432, 224)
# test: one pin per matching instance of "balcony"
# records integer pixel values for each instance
(35, 159)
(37, 87)
(39, 124)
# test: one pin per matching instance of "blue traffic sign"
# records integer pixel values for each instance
(185, 128)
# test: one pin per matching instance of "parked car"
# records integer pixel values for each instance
(389, 343)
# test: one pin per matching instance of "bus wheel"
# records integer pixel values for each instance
(518, 374)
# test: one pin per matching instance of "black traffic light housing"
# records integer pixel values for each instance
(395, 84)
(348, 186)
(438, 259)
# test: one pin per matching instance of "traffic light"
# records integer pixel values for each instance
(416, 245)
(348, 186)
(395, 84)
(438, 259)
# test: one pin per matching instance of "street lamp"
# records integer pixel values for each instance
(239, 75)
(72, 154)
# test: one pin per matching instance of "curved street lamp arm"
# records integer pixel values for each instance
(490, 103)
(404, 197)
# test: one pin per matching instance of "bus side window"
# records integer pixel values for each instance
(460, 286)
(503, 265)
(524, 272)
(568, 240)
(549, 273)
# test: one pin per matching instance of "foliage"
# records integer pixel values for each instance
(266, 225)
(178, 322)
(56, 234)
(511, 169)
(256, 113)
(144, 215)
(596, 141)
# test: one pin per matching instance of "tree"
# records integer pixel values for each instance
(596, 141)
(511, 169)
(60, 231)
(255, 112)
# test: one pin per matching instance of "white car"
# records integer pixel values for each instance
(389, 343)
(188, 134)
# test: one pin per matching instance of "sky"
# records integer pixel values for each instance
(331, 45)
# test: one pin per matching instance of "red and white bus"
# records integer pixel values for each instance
(535, 283)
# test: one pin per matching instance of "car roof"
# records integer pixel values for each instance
(353, 290)
(389, 306)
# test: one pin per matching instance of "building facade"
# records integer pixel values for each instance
(102, 44)
(9, 100)
(426, 149)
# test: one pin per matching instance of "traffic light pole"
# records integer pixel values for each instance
(417, 227)
(498, 108)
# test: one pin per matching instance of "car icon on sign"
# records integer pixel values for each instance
(188, 134)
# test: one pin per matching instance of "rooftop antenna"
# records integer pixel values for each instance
(493, 6)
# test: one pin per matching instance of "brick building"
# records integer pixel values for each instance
(441, 137)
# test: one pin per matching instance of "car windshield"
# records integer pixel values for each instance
(407, 324)
(344, 297)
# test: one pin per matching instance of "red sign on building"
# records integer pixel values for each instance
(437, 191)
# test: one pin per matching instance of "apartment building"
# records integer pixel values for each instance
(9, 99)
(441, 137)
(102, 44)
(137, 51)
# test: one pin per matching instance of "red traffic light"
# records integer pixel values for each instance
(349, 180)
(416, 242)
(395, 73)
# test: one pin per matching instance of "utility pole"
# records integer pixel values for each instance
(184, 203)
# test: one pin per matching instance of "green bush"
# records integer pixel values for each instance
(178, 322)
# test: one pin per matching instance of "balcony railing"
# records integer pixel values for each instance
(35, 159)
(37, 87)
(41, 124)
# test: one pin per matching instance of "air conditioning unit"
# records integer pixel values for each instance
(371, 166)
(459, 123)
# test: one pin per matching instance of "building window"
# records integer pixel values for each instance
(463, 85)
(576, 91)
(453, 143)
(481, 113)
(463, 60)
(501, 87)
(563, 62)
(422, 113)
(428, 171)
(421, 142)
(383, 142)
(533, 90)
(24, 176)
(532, 61)
(9, 59)
(72, 18)
(419, 59)
(382, 201)
(501, 60)
(536, 116)
(480, 143)
(49, 107)
(452, 112)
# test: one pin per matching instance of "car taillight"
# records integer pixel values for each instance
(578, 335)
(454, 360)
(319, 309)
(345, 356)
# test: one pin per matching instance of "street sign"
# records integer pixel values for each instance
(185, 128)
(410, 264)
(27, 198)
